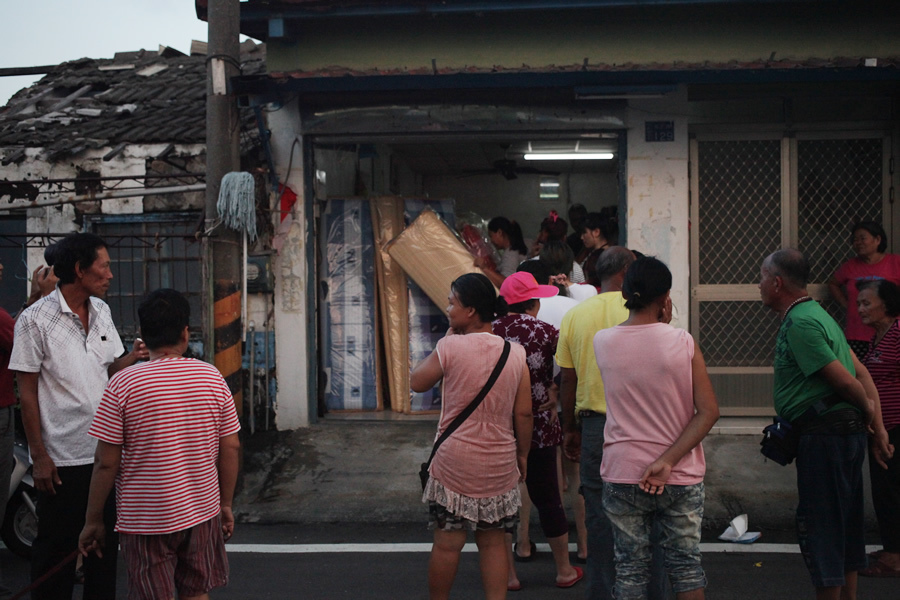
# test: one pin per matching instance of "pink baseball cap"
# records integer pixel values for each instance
(522, 286)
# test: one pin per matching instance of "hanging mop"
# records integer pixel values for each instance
(237, 210)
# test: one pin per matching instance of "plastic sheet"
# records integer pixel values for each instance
(349, 336)
(474, 233)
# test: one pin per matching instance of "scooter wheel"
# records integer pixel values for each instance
(19, 524)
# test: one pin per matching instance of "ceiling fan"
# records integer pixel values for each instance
(510, 170)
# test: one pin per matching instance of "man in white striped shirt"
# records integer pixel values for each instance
(167, 434)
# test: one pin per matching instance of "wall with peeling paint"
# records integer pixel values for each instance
(292, 313)
(658, 215)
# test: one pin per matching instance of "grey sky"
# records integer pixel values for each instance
(48, 32)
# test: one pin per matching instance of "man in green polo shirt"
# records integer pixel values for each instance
(828, 396)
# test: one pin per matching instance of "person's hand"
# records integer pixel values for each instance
(43, 281)
(882, 449)
(654, 479)
(552, 398)
(572, 445)
(561, 279)
(227, 522)
(140, 350)
(44, 473)
(92, 538)
(522, 461)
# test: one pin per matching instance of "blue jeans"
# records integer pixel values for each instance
(830, 519)
(677, 514)
(601, 566)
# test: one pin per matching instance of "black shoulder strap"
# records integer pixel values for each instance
(454, 425)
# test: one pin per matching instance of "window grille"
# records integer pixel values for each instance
(148, 252)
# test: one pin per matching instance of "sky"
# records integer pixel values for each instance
(48, 32)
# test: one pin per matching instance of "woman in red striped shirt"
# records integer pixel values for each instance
(878, 304)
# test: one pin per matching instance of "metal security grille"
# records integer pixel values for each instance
(740, 208)
(839, 182)
(754, 195)
(148, 252)
(738, 334)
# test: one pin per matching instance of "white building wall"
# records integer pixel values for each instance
(658, 193)
(291, 310)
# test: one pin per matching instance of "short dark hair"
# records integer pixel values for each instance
(646, 280)
(558, 257)
(542, 272)
(76, 249)
(474, 290)
(576, 214)
(792, 266)
(163, 314)
(523, 306)
(50, 254)
(887, 291)
(874, 229)
(613, 261)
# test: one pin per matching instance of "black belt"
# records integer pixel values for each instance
(587, 414)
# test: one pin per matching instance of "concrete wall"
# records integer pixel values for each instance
(292, 312)
(657, 192)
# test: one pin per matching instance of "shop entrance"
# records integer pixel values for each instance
(464, 179)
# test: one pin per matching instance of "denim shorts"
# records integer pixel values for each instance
(678, 513)
(830, 512)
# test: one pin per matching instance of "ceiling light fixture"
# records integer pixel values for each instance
(569, 156)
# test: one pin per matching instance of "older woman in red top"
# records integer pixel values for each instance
(878, 305)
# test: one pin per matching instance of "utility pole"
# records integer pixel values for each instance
(223, 246)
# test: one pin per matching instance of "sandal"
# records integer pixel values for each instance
(879, 569)
(519, 558)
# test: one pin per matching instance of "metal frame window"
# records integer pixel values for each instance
(151, 251)
(752, 194)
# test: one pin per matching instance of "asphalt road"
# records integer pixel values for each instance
(375, 562)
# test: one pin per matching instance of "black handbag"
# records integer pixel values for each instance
(454, 425)
(782, 437)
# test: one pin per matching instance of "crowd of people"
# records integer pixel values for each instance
(637, 439)
(540, 394)
(94, 420)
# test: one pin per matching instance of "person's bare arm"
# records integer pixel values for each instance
(426, 374)
(107, 460)
(138, 352)
(882, 450)
(837, 292)
(705, 416)
(523, 422)
(44, 469)
(571, 435)
(848, 388)
(229, 451)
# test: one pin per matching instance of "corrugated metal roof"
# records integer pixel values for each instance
(165, 104)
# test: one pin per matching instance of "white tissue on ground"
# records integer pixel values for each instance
(737, 531)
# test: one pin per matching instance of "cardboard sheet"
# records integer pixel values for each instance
(387, 220)
(432, 256)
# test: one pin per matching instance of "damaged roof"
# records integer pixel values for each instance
(142, 97)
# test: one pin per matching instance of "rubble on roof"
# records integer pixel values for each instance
(141, 97)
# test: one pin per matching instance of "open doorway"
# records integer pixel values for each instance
(461, 178)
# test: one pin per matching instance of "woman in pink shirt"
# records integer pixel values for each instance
(474, 476)
(657, 415)
(870, 263)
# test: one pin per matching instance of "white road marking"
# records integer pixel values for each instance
(709, 548)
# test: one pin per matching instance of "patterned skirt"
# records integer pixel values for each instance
(450, 510)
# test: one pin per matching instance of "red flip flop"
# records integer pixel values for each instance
(579, 575)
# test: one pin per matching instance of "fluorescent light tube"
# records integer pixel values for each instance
(570, 156)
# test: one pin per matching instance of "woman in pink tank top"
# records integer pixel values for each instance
(656, 416)
(474, 476)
